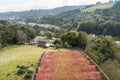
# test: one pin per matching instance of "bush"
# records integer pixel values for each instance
(28, 76)
(23, 67)
(102, 47)
(112, 69)
(82, 39)
(29, 71)
(20, 71)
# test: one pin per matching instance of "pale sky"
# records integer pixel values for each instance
(21, 5)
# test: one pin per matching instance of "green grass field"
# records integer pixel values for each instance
(13, 56)
(101, 6)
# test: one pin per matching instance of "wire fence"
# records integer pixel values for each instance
(38, 64)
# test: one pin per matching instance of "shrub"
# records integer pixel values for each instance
(23, 67)
(28, 76)
(112, 69)
(103, 48)
(29, 71)
(82, 39)
(20, 71)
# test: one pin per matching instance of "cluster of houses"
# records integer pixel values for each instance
(42, 42)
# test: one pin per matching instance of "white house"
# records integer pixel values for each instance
(42, 42)
(118, 42)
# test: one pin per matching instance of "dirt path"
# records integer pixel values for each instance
(71, 65)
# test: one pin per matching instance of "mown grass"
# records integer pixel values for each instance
(101, 6)
(18, 55)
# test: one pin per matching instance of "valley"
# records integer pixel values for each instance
(92, 29)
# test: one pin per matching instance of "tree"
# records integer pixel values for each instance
(21, 37)
(49, 34)
(82, 39)
(70, 37)
(57, 43)
(74, 26)
(13, 34)
(88, 26)
(109, 28)
(8, 35)
(101, 49)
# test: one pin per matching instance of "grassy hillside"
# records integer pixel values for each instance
(13, 56)
(101, 6)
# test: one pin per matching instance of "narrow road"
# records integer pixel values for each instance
(71, 65)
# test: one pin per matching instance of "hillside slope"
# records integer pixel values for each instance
(100, 6)
(38, 13)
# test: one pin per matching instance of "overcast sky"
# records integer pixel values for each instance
(21, 5)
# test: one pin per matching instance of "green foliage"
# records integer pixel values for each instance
(111, 68)
(28, 76)
(88, 26)
(24, 70)
(82, 39)
(100, 27)
(58, 43)
(70, 37)
(21, 37)
(75, 39)
(102, 48)
(100, 21)
(14, 34)
(29, 71)
(52, 20)
(22, 67)
(20, 71)
(49, 34)
(31, 15)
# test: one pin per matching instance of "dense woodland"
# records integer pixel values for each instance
(14, 34)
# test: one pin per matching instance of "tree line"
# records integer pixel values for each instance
(14, 34)
(100, 27)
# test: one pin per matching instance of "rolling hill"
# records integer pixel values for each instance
(100, 6)
(38, 13)
(85, 14)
